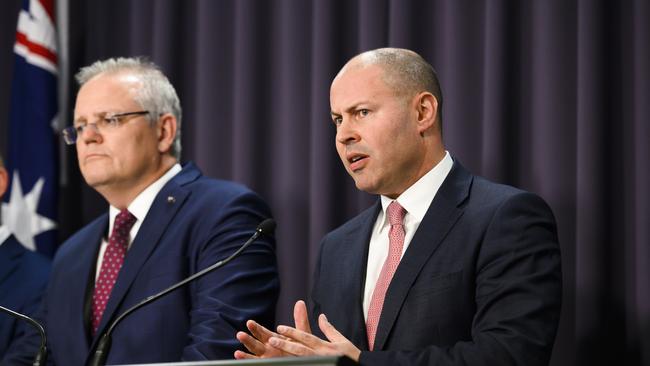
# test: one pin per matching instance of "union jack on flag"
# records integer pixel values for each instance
(32, 161)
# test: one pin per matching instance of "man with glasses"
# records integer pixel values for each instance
(164, 223)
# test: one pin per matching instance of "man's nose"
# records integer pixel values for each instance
(346, 133)
(90, 133)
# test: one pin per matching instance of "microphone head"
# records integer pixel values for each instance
(267, 227)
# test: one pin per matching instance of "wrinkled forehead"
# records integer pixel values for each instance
(356, 83)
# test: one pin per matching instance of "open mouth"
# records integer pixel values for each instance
(357, 161)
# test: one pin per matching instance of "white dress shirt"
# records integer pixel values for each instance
(416, 201)
(4, 234)
(139, 208)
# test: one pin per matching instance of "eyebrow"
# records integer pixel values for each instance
(95, 115)
(352, 108)
(79, 119)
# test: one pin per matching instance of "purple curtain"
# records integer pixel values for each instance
(550, 96)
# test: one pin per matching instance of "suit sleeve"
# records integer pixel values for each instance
(245, 288)
(518, 294)
(27, 339)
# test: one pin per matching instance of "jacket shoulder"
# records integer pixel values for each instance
(487, 194)
(79, 240)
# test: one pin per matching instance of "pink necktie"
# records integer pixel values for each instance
(396, 234)
(111, 264)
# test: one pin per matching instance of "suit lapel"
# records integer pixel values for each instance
(159, 216)
(357, 239)
(443, 213)
(88, 243)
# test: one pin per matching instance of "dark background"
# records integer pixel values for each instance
(550, 96)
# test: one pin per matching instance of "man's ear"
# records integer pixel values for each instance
(166, 132)
(426, 106)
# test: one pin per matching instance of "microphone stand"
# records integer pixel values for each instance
(104, 345)
(41, 356)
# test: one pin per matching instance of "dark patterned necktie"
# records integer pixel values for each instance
(111, 264)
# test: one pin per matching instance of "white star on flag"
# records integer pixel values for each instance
(20, 216)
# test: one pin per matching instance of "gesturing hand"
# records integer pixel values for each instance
(257, 343)
(298, 341)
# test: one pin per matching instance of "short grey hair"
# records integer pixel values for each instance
(157, 95)
(406, 72)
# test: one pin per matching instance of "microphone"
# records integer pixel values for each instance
(266, 227)
(41, 356)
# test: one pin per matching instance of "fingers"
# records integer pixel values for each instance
(259, 332)
(292, 341)
(300, 317)
(240, 355)
(253, 345)
(293, 348)
(299, 336)
(338, 340)
(328, 329)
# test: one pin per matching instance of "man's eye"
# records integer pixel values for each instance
(79, 128)
(363, 112)
(337, 121)
(110, 121)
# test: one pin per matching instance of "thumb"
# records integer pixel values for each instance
(328, 329)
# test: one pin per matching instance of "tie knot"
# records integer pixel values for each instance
(124, 221)
(396, 213)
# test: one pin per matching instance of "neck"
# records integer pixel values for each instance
(431, 158)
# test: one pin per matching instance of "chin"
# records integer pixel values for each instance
(95, 179)
(94, 183)
(364, 186)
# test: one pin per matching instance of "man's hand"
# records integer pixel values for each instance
(302, 343)
(296, 341)
(258, 342)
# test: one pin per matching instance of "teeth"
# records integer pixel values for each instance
(354, 160)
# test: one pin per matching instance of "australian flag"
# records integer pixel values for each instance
(32, 161)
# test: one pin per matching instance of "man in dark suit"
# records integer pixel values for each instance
(165, 222)
(446, 268)
(23, 277)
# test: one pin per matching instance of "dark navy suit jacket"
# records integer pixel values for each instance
(23, 277)
(193, 223)
(479, 284)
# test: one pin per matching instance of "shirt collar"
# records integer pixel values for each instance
(139, 207)
(4, 234)
(417, 198)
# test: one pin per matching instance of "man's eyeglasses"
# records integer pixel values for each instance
(106, 121)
